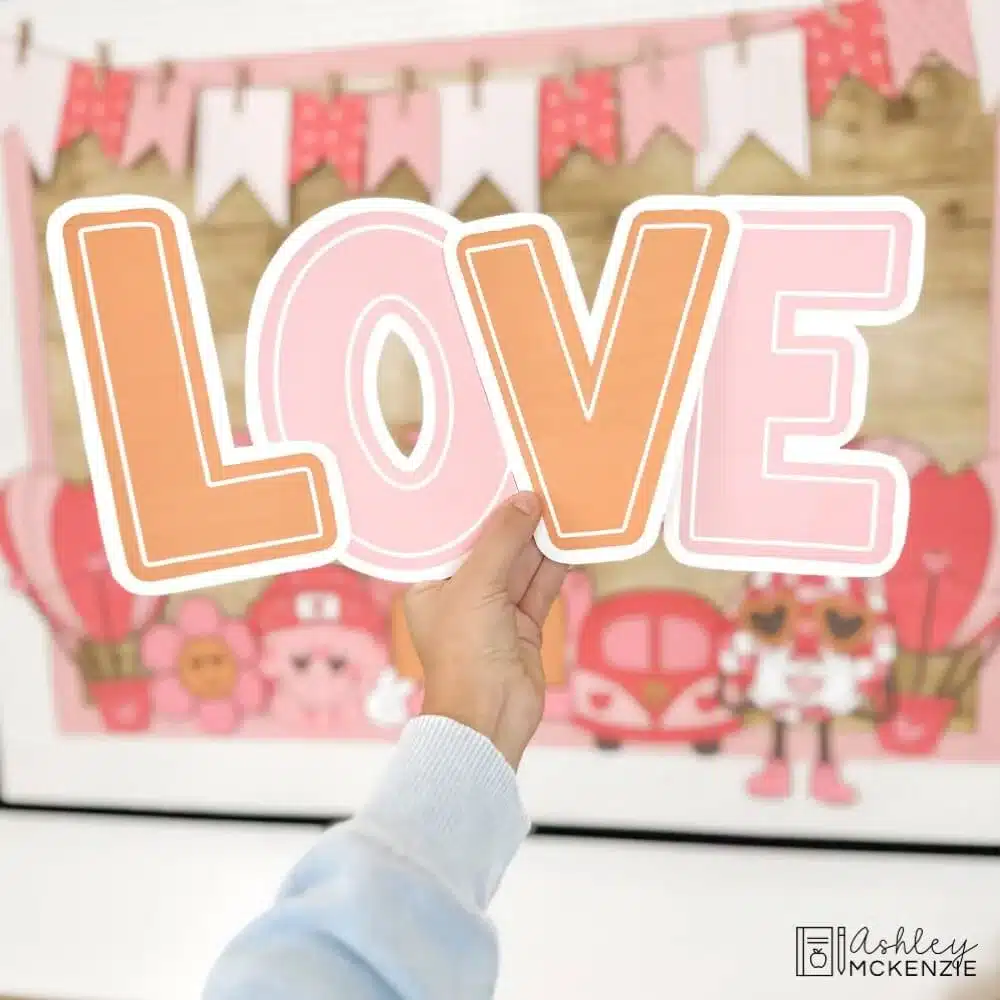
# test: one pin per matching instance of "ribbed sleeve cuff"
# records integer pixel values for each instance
(449, 802)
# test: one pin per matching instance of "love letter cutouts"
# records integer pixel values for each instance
(706, 396)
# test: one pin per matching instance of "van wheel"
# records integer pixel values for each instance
(609, 744)
(706, 748)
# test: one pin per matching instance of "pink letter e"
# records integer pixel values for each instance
(767, 482)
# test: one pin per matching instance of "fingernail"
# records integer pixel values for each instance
(526, 503)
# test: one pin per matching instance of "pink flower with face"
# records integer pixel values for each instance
(205, 667)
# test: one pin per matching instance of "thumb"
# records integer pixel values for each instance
(507, 532)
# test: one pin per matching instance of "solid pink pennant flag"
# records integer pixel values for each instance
(662, 95)
(917, 28)
(404, 131)
(161, 120)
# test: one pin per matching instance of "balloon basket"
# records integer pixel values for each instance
(99, 660)
(113, 677)
(125, 704)
(917, 724)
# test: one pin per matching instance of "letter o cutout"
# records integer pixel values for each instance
(337, 287)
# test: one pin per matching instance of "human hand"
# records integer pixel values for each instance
(479, 634)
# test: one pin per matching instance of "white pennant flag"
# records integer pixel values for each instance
(763, 94)
(984, 23)
(494, 137)
(32, 98)
(247, 139)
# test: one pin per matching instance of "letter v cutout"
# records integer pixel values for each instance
(593, 408)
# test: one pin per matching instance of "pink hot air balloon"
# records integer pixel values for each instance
(944, 592)
(51, 540)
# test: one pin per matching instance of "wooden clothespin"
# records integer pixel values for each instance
(571, 73)
(164, 79)
(739, 31)
(334, 88)
(477, 77)
(23, 42)
(651, 55)
(406, 86)
(834, 14)
(102, 64)
(241, 86)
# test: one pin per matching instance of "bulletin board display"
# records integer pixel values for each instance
(283, 696)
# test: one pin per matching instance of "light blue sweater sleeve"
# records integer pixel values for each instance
(390, 905)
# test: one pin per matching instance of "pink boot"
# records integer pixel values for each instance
(773, 781)
(827, 786)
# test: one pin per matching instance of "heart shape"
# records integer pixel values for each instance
(941, 571)
(78, 550)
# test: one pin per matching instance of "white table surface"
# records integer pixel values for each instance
(107, 908)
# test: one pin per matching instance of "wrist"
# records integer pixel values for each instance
(479, 718)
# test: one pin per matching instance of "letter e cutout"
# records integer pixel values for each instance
(767, 482)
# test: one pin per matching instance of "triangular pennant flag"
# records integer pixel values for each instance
(663, 95)
(915, 29)
(247, 139)
(579, 114)
(761, 93)
(404, 129)
(161, 120)
(32, 97)
(331, 132)
(494, 136)
(98, 103)
(847, 41)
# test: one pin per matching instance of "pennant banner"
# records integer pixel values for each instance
(162, 115)
(761, 92)
(98, 102)
(664, 95)
(580, 114)
(331, 132)
(248, 140)
(494, 135)
(32, 97)
(916, 28)
(516, 132)
(849, 41)
(404, 130)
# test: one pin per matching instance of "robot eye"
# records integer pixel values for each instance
(769, 623)
(337, 663)
(300, 662)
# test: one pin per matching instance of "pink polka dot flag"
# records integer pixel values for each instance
(97, 106)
